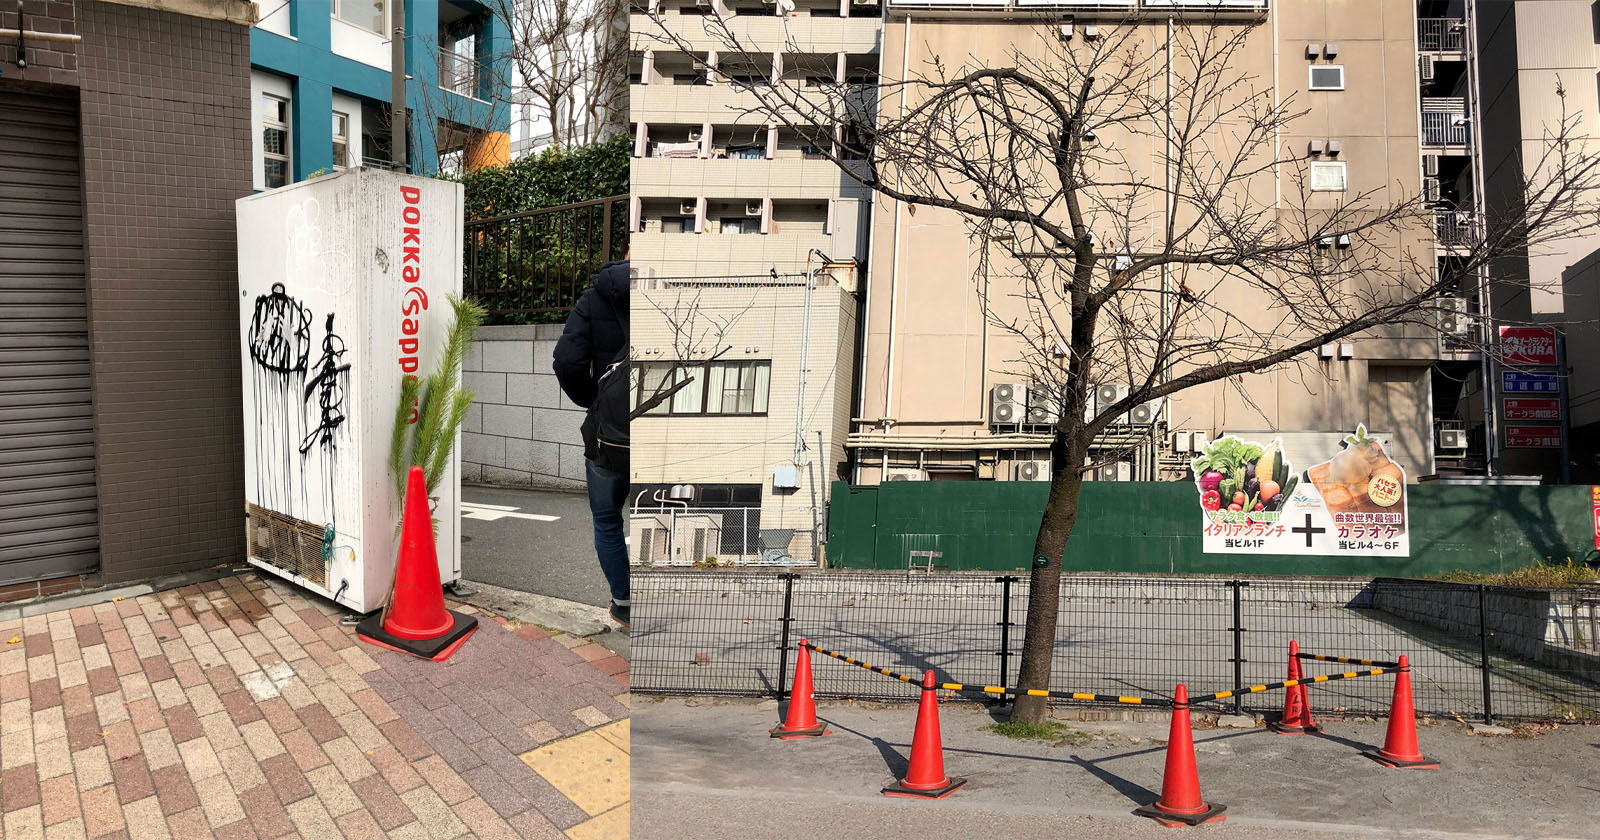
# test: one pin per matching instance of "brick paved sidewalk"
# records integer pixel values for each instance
(241, 708)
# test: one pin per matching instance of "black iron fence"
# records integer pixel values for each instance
(530, 267)
(1475, 652)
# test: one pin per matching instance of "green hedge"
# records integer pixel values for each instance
(548, 179)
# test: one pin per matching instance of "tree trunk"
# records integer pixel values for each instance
(1044, 582)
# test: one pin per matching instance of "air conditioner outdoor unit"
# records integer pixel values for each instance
(1091, 32)
(1425, 67)
(1066, 31)
(906, 475)
(1008, 403)
(1343, 241)
(1314, 147)
(1199, 440)
(752, 208)
(1455, 439)
(1453, 318)
(1118, 471)
(1324, 242)
(689, 208)
(1180, 441)
(1145, 413)
(1033, 471)
(1041, 406)
(1431, 190)
(1106, 395)
(1430, 165)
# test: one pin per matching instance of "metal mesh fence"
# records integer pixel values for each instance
(733, 632)
(734, 536)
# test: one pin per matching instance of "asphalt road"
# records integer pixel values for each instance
(536, 541)
(707, 769)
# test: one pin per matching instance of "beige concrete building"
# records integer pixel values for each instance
(718, 190)
(939, 386)
(737, 464)
(750, 247)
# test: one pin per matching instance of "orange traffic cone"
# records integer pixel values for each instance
(417, 621)
(1180, 802)
(802, 719)
(925, 778)
(1400, 744)
(1296, 701)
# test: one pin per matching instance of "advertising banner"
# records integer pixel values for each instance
(1528, 345)
(1531, 408)
(1252, 501)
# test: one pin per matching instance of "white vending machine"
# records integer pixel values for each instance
(344, 284)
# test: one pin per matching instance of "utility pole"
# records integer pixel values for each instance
(397, 87)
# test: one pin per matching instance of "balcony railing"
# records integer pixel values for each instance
(1441, 34)
(459, 74)
(1452, 228)
(1445, 129)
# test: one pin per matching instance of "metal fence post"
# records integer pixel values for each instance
(1483, 652)
(788, 579)
(1005, 627)
(1238, 641)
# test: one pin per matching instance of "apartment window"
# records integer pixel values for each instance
(341, 140)
(1327, 77)
(747, 152)
(367, 14)
(1327, 176)
(677, 224)
(741, 225)
(274, 140)
(715, 388)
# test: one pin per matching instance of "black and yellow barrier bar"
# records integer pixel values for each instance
(1325, 658)
(992, 689)
(1256, 689)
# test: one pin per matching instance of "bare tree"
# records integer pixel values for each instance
(572, 58)
(1140, 221)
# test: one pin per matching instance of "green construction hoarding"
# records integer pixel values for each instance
(1152, 527)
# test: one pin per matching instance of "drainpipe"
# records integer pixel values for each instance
(398, 144)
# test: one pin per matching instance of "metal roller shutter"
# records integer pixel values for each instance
(49, 518)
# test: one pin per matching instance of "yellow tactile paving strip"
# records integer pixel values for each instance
(591, 769)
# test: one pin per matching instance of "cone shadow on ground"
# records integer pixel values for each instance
(1138, 794)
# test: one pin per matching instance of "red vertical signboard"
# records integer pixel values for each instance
(1595, 493)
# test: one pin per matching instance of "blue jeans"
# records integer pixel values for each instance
(608, 491)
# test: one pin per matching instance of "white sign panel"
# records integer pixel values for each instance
(1253, 501)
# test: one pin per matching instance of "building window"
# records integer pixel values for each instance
(677, 224)
(274, 140)
(1327, 176)
(1327, 77)
(341, 140)
(715, 388)
(746, 153)
(741, 225)
(367, 14)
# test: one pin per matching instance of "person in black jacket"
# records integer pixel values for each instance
(596, 336)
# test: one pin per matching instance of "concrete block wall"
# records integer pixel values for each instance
(521, 431)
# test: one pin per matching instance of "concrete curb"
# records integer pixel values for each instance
(543, 610)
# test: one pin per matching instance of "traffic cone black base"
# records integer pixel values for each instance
(1424, 764)
(1209, 815)
(1279, 727)
(438, 648)
(782, 734)
(899, 789)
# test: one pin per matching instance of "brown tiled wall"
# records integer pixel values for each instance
(166, 133)
(48, 61)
